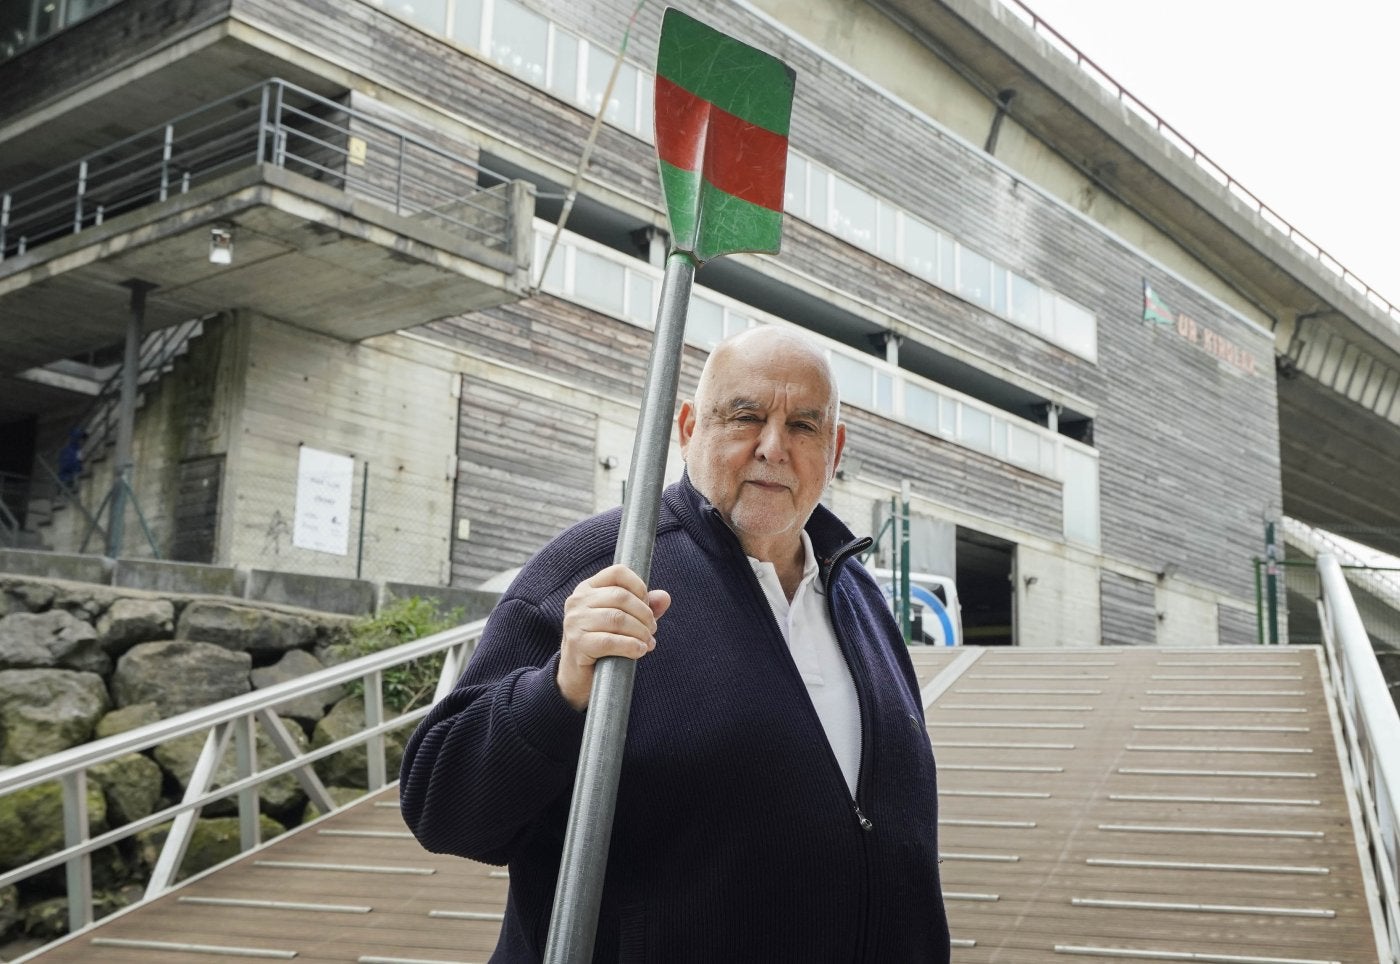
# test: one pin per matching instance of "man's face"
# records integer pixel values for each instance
(761, 440)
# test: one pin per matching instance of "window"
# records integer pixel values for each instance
(705, 324)
(886, 245)
(854, 379)
(554, 275)
(884, 393)
(622, 105)
(640, 293)
(520, 41)
(853, 213)
(563, 66)
(466, 23)
(795, 192)
(947, 264)
(599, 281)
(850, 212)
(975, 278)
(1075, 328)
(1081, 496)
(921, 249)
(976, 429)
(1025, 303)
(921, 407)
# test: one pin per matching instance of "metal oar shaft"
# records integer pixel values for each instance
(580, 888)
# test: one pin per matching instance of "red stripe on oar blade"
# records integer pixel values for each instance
(746, 161)
(681, 120)
(739, 158)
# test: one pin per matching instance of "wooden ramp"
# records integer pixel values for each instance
(1144, 804)
(1131, 804)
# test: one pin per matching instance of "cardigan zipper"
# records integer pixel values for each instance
(860, 684)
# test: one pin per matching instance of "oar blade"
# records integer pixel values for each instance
(723, 111)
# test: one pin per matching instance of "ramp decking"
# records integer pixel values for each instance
(1145, 804)
(1133, 804)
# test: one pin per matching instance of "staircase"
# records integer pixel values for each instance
(158, 354)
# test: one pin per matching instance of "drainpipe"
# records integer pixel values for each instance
(1004, 99)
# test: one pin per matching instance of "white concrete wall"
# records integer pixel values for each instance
(1186, 616)
(397, 414)
(1056, 600)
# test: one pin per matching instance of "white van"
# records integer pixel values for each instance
(934, 608)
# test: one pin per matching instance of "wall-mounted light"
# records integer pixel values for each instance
(221, 244)
(609, 462)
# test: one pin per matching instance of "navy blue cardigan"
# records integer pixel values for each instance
(736, 838)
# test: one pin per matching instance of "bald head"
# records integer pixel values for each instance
(778, 349)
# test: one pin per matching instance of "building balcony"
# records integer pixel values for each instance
(275, 200)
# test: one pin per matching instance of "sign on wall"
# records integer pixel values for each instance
(322, 518)
(1155, 311)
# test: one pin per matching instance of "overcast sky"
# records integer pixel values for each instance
(1297, 102)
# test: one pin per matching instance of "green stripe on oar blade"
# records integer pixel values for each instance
(722, 114)
(726, 72)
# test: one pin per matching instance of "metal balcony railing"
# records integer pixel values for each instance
(230, 723)
(276, 123)
(1217, 173)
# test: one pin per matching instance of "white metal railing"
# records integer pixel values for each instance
(231, 721)
(1373, 735)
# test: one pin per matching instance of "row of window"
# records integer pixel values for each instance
(852, 213)
(607, 281)
(549, 56)
(539, 52)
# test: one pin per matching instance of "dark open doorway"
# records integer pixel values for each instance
(984, 588)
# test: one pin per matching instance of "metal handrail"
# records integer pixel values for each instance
(1373, 730)
(1217, 173)
(253, 125)
(231, 721)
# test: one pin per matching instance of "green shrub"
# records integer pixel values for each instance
(408, 685)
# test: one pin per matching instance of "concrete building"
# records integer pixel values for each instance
(368, 351)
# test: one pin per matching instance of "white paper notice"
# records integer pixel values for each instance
(323, 501)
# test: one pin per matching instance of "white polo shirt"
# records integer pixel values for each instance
(806, 625)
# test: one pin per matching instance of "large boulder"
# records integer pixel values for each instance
(348, 767)
(50, 640)
(28, 597)
(309, 707)
(126, 718)
(132, 621)
(131, 785)
(43, 711)
(214, 840)
(261, 632)
(85, 600)
(178, 675)
(31, 822)
(280, 795)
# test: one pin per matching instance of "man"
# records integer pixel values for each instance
(777, 800)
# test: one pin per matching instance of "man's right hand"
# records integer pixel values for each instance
(611, 614)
